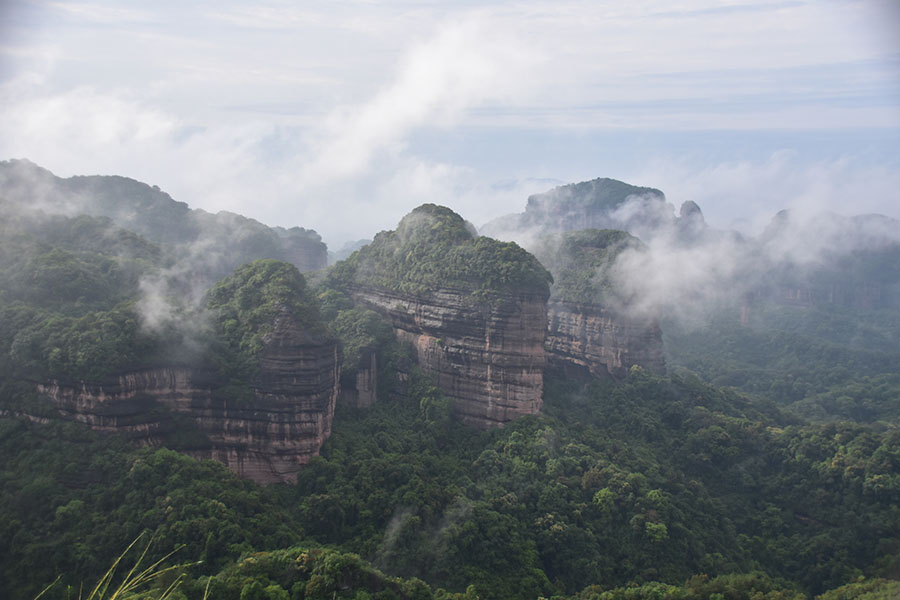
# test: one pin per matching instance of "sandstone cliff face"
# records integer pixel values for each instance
(601, 341)
(488, 358)
(360, 388)
(267, 438)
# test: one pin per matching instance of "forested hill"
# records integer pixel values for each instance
(806, 314)
(223, 240)
(434, 247)
(595, 204)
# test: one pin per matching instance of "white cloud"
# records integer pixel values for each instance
(102, 13)
(465, 64)
(755, 190)
(311, 115)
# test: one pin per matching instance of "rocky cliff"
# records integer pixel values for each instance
(264, 415)
(266, 436)
(488, 357)
(359, 388)
(473, 309)
(590, 339)
(585, 334)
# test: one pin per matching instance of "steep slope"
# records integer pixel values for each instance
(473, 308)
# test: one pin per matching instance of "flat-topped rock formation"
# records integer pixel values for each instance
(473, 309)
(266, 438)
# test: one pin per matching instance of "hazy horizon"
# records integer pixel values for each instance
(342, 117)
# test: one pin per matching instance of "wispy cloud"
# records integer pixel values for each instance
(103, 13)
(465, 64)
(337, 116)
(746, 194)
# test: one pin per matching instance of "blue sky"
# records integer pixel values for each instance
(342, 116)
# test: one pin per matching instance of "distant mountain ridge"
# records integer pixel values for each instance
(601, 203)
(223, 240)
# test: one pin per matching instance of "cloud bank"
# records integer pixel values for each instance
(344, 117)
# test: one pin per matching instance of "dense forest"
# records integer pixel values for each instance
(650, 483)
(434, 247)
(764, 466)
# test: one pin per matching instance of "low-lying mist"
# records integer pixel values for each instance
(687, 269)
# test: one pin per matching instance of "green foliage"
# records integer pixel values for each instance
(312, 574)
(751, 586)
(871, 589)
(90, 347)
(435, 248)
(71, 498)
(823, 363)
(634, 487)
(361, 333)
(139, 582)
(70, 264)
(359, 329)
(583, 263)
(246, 304)
(67, 289)
(654, 479)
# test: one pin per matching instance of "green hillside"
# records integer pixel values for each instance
(434, 247)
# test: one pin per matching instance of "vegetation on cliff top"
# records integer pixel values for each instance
(71, 305)
(583, 264)
(246, 305)
(602, 194)
(433, 248)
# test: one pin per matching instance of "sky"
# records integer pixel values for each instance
(341, 116)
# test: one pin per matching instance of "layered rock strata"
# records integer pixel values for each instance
(488, 357)
(359, 389)
(596, 340)
(266, 438)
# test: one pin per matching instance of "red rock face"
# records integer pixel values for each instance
(267, 438)
(602, 341)
(489, 358)
(360, 390)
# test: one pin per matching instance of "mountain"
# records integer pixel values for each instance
(597, 204)
(221, 242)
(445, 415)
(123, 330)
(766, 314)
(472, 308)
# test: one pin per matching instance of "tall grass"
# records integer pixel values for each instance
(138, 582)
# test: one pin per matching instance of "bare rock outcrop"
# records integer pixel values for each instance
(601, 342)
(488, 357)
(266, 438)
